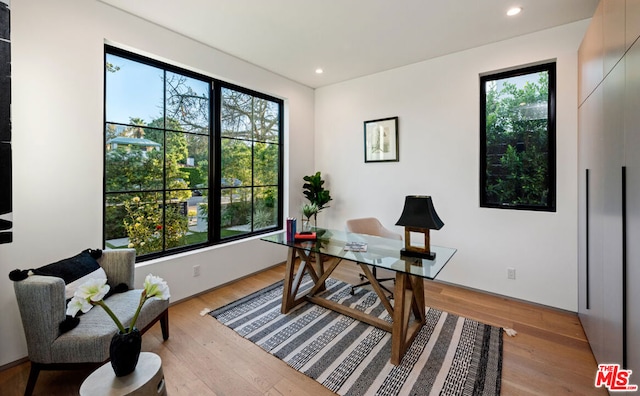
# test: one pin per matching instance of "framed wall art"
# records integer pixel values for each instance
(381, 140)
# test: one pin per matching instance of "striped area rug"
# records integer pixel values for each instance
(451, 355)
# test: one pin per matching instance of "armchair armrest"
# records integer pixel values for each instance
(42, 305)
(119, 265)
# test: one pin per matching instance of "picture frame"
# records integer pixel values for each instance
(381, 140)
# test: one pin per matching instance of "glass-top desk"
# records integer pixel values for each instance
(329, 251)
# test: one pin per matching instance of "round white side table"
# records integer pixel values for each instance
(146, 380)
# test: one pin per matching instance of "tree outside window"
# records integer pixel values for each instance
(518, 139)
(158, 169)
(250, 166)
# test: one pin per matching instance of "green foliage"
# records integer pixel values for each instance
(235, 213)
(203, 209)
(133, 169)
(114, 226)
(192, 175)
(269, 198)
(264, 217)
(517, 142)
(309, 210)
(265, 207)
(266, 163)
(235, 161)
(203, 169)
(315, 192)
(145, 227)
(111, 68)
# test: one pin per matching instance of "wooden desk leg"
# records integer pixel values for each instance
(409, 297)
(319, 267)
(418, 305)
(398, 334)
(292, 282)
(287, 297)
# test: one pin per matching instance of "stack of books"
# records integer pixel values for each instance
(291, 229)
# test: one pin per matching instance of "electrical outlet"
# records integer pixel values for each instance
(511, 273)
(196, 270)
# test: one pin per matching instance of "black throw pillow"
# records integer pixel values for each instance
(75, 271)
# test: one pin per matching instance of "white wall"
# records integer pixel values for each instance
(437, 103)
(57, 54)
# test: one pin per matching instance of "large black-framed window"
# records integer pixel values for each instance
(189, 161)
(518, 138)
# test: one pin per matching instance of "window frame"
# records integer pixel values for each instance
(550, 68)
(217, 204)
(214, 150)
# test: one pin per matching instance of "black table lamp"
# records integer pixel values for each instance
(419, 216)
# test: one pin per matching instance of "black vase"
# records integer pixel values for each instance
(124, 351)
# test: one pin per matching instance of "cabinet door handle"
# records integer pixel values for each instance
(624, 267)
(586, 184)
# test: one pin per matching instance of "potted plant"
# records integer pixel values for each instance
(308, 210)
(316, 194)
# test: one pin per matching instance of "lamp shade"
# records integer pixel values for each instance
(419, 212)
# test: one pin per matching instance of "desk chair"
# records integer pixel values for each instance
(372, 226)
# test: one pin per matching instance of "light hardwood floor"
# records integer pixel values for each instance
(549, 356)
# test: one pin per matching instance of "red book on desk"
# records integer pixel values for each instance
(305, 236)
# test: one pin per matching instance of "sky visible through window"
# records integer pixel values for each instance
(135, 90)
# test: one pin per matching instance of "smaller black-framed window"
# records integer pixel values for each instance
(518, 139)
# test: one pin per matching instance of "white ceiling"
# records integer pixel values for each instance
(350, 38)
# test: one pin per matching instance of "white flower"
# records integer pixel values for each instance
(78, 304)
(156, 288)
(93, 289)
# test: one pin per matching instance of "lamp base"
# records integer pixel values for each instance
(422, 255)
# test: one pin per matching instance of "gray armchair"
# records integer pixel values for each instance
(42, 304)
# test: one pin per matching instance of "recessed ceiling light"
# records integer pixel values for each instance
(514, 11)
(319, 70)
